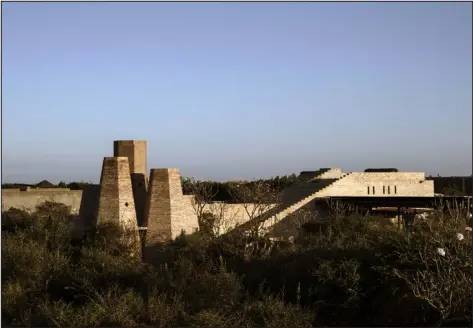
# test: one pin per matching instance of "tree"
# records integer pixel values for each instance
(203, 192)
(257, 198)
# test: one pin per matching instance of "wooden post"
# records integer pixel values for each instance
(399, 218)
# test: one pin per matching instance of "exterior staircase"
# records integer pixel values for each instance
(306, 176)
(293, 198)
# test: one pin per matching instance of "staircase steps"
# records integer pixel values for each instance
(305, 176)
(293, 198)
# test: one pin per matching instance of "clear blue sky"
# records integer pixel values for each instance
(236, 90)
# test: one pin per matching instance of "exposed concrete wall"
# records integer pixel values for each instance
(28, 200)
(396, 184)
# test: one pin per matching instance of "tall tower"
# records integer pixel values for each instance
(167, 213)
(116, 204)
(135, 150)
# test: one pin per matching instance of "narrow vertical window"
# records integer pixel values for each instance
(384, 190)
(373, 190)
(389, 190)
(395, 189)
(368, 190)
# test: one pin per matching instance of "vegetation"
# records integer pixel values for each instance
(72, 185)
(225, 191)
(344, 271)
(219, 191)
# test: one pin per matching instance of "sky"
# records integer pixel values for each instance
(236, 90)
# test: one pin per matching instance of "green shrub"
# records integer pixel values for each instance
(341, 272)
(15, 219)
(52, 209)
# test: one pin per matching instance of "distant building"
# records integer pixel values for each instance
(45, 184)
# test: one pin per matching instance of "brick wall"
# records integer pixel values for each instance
(135, 151)
(116, 203)
(168, 211)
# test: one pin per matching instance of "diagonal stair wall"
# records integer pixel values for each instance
(306, 176)
(334, 173)
(293, 198)
(323, 186)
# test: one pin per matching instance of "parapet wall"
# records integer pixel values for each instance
(28, 200)
(381, 184)
(387, 176)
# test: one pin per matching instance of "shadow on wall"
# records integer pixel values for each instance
(452, 185)
(89, 205)
(292, 224)
(138, 183)
(159, 252)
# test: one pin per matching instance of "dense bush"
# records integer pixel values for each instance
(72, 185)
(222, 191)
(347, 271)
